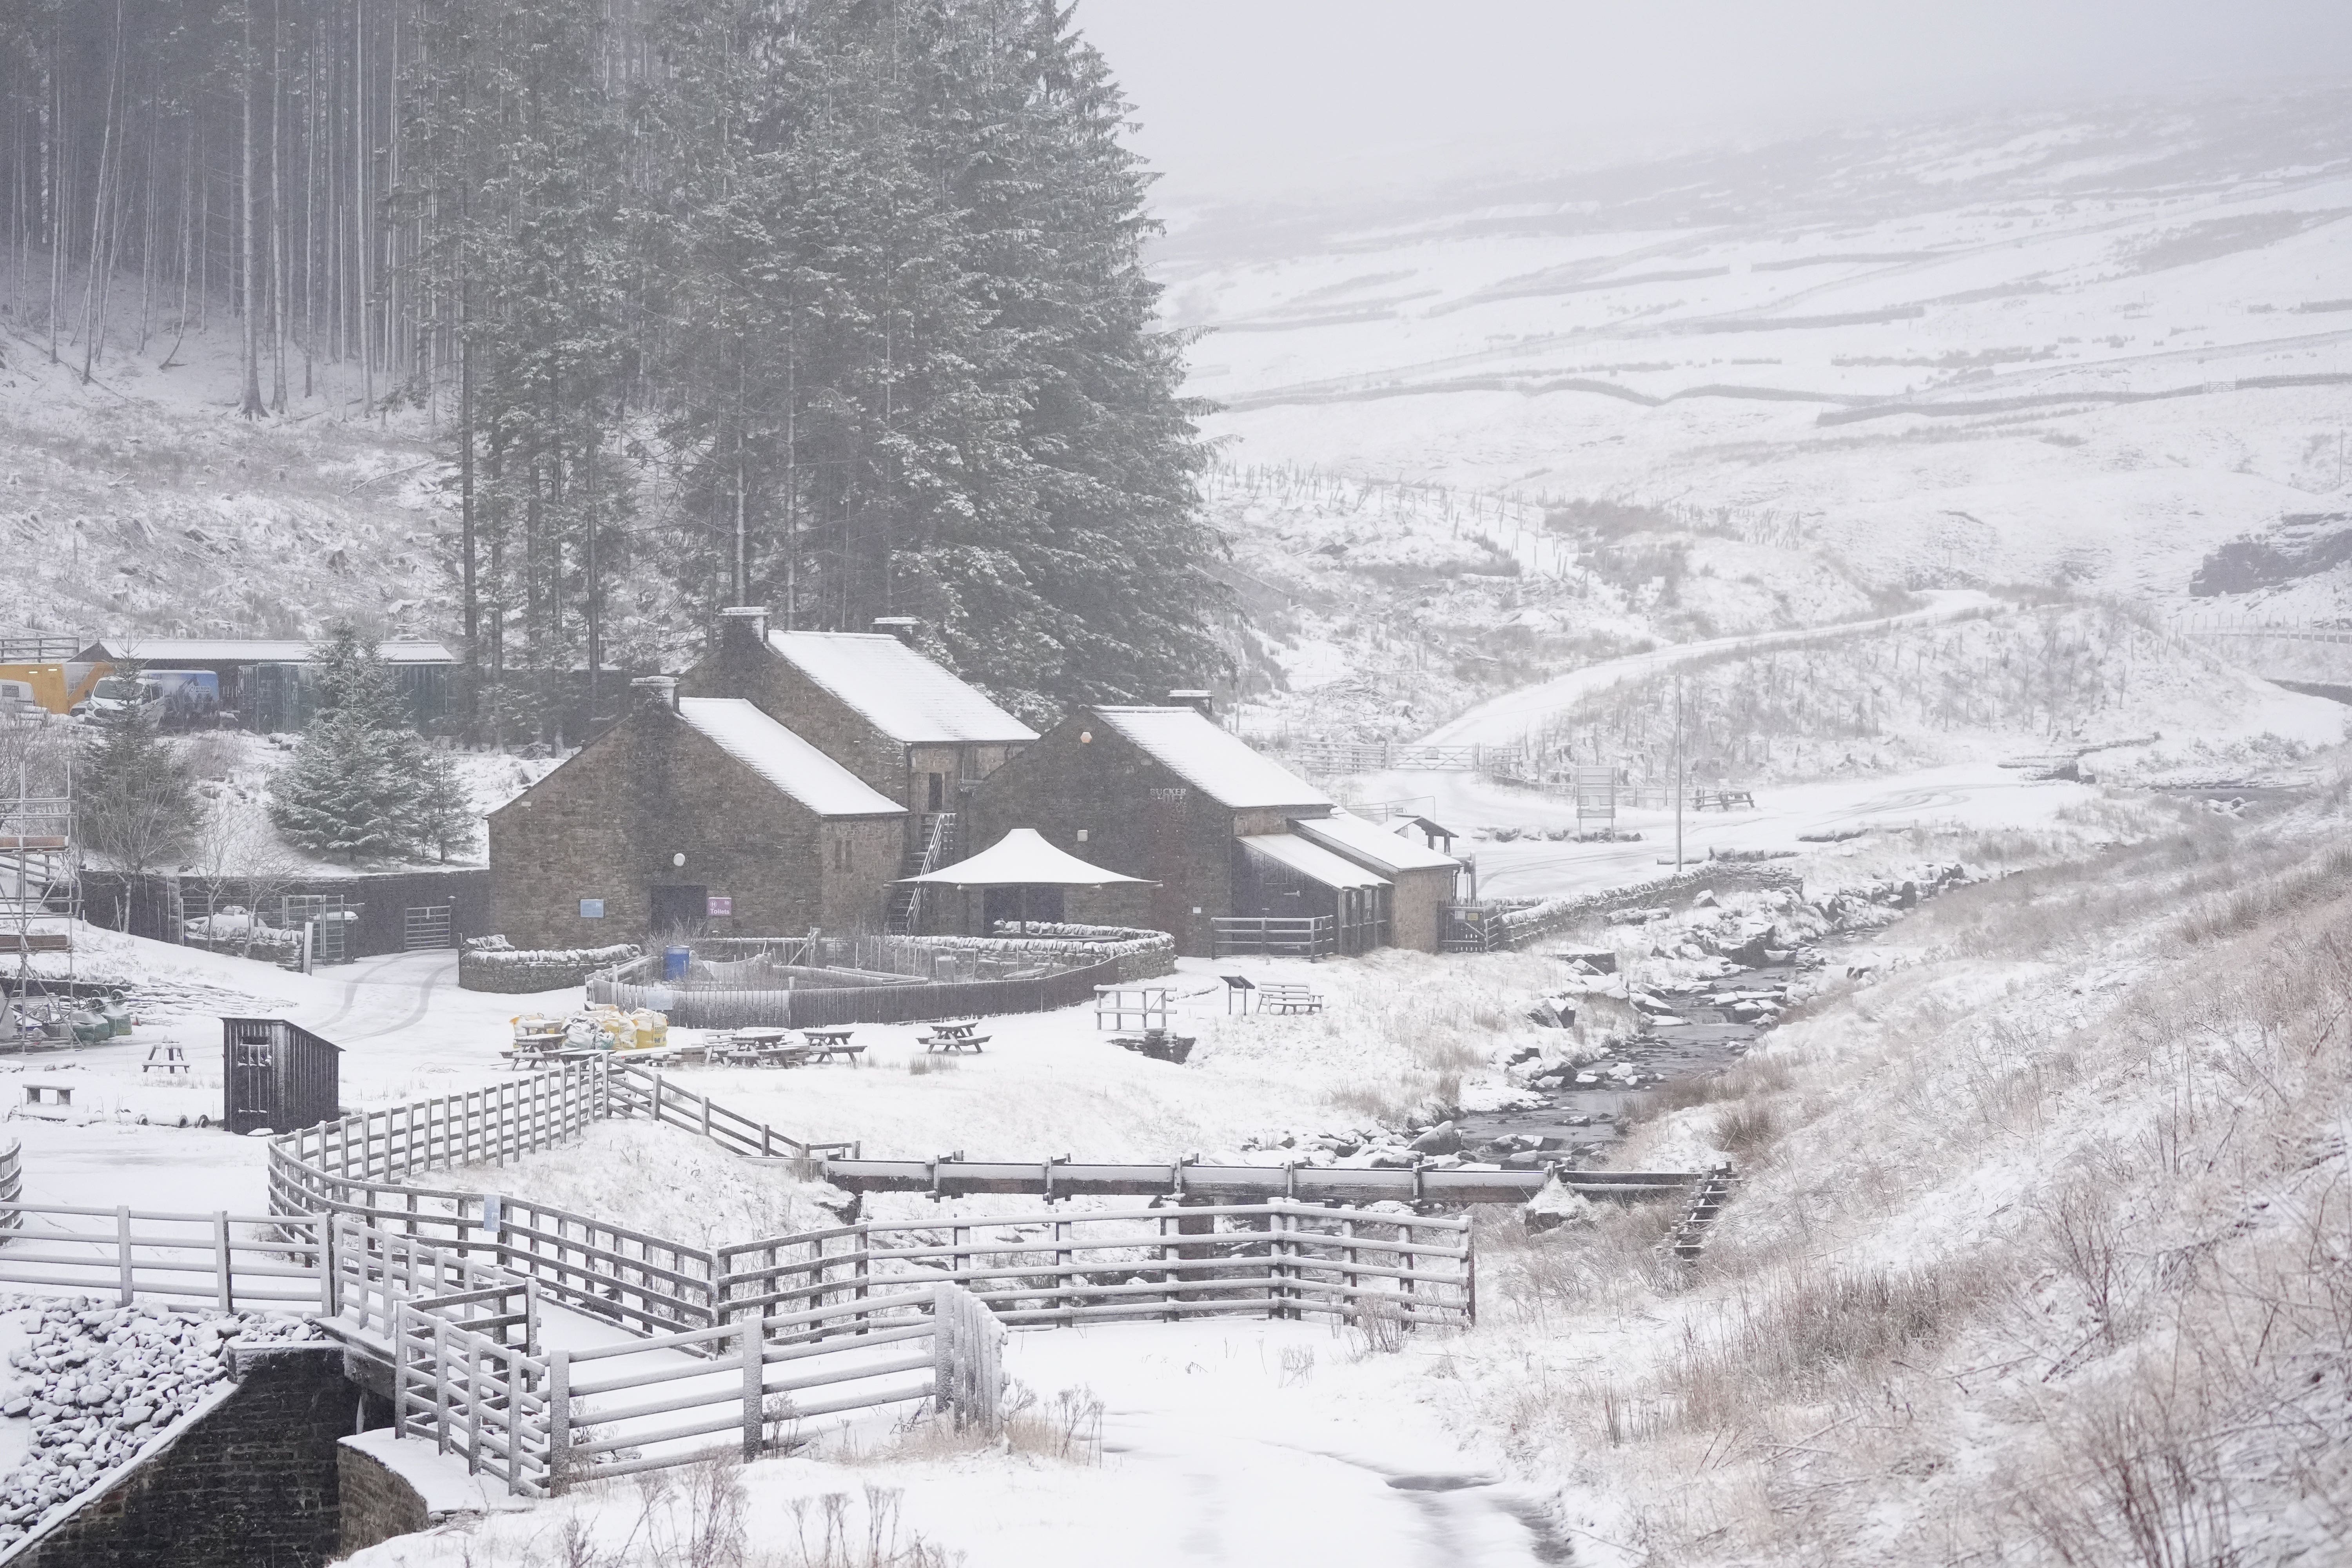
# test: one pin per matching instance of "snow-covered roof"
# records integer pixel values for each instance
(783, 759)
(1371, 844)
(1312, 861)
(1211, 761)
(1023, 859)
(168, 651)
(898, 691)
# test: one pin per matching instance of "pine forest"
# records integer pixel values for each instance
(835, 306)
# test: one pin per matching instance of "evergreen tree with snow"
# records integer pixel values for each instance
(134, 801)
(362, 785)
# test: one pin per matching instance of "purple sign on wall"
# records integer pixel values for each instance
(714, 905)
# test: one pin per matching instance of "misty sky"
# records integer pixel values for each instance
(1252, 98)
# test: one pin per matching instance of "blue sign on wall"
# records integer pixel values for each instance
(591, 908)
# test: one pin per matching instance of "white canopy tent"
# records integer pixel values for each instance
(1021, 860)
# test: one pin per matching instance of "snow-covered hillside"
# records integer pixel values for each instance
(2074, 349)
(137, 500)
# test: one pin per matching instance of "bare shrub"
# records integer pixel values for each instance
(2142, 1494)
(1756, 1075)
(1375, 1325)
(1745, 1130)
(1610, 1262)
(1297, 1364)
(2082, 1239)
(1808, 1333)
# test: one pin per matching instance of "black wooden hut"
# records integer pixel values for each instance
(279, 1075)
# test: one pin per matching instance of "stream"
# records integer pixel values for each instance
(1578, 1120)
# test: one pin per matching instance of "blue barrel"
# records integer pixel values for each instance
(674, 961)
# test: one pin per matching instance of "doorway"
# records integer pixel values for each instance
(678, 911)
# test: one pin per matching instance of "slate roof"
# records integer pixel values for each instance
(1217, 764)
(1311, 860)
(783, 759)
(1372, 844)
(907, 697)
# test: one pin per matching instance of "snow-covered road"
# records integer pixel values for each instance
(1969, 794)
(1239, 1443)
(1507, 720)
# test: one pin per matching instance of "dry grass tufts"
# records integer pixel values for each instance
(1807, 1337)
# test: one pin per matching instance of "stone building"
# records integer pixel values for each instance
(696, 815)
(1422, 880)
(1229, 834)
(898, 721)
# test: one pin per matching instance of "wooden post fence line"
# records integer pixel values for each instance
(739, 1344)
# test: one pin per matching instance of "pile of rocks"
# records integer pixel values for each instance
(98, 1382)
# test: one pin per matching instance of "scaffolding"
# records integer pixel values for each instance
(40, 895)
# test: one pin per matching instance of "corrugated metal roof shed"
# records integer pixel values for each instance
(1218, 764)
(1310, 860)
(169, 651)
(783, 759)
(898, 691)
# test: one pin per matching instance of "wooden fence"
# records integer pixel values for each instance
(799, 1284)
(1296, 936)
(742, 1342)
(908, 1001)
(233, 1262)
(12, 1183)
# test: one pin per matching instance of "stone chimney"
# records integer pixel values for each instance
(899, 626)
(742, 628)
(655, 691)
(1200, 703)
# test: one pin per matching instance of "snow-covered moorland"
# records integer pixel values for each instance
(2041, 1254)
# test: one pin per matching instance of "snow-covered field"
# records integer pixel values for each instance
(2036, 350)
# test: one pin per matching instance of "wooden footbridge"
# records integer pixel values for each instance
(953, 1176)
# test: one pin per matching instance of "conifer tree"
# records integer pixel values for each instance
(362, 785)
(133, 799)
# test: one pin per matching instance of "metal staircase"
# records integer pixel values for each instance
(941, 845)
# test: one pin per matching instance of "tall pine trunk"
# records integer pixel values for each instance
(250, 280)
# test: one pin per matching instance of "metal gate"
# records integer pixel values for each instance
(425, 926)
(335, 917)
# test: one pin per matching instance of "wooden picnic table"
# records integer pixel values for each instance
(959, 1035)
(760, 1047)
(827, 1045)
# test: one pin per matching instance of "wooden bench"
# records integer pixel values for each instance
(1287, 996)
(825, 1045)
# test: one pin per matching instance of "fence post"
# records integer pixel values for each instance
(122, 1241)
(1469, 1278)
(864, 1239)
(330, 1289)
(1062, 1299)
(944, 1360)
(1278, 1253)
(754, 1387)
(474, 1404)
(226, 1294)
(397, 1311)
(559, 1421)
(441, 1385)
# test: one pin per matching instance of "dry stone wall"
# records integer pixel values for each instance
(241, 1471)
